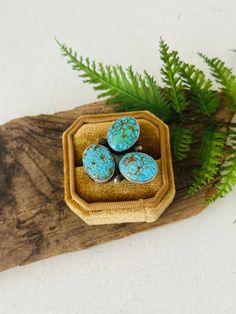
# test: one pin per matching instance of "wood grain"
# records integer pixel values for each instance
(35, 222)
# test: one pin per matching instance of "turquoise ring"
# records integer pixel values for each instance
(123, 134)
(117, 156)
(99, 163)
(138, 167)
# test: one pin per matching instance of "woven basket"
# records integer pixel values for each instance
(117, 202)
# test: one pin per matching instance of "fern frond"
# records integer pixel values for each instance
(181, 141)
(128, 88)
(212, 150)
(201, 89)
(228, 173)
(224, 76)
(171, 77)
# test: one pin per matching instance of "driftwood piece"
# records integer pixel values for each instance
(35, 222)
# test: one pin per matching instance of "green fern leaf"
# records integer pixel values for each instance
(224, 76)
(128, 88)
(170, 71)
(227, 174)
(206, 100)
(181, 141)
(212, 150)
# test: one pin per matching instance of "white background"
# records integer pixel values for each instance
(188, 267)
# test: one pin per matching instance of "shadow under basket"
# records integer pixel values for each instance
(122, 202)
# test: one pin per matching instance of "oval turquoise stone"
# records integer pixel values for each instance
(123, 134)
(98, 163)
(138, 167)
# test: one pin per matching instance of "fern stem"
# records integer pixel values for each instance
(170, 72)
(132, 92)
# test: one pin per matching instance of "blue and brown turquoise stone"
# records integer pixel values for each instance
(98, 163)
(123, 134)
(138, 167)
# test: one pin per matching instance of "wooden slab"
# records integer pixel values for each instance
(35, 223)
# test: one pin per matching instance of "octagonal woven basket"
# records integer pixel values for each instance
(117, 202)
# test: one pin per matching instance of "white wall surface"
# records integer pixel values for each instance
(188, 267)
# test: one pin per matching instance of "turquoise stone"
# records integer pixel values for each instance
(98, 163)
(138, 167)
(123, 134)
